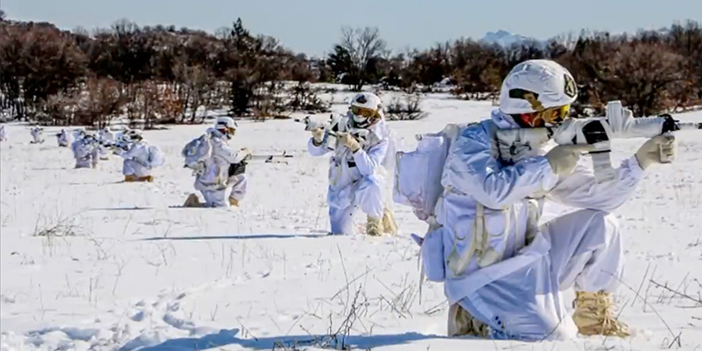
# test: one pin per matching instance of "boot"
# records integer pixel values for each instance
(233, 202)
(389, 223)
(192, 201)
(595, 315)
(130, 178)
(462, 323)
(148, 178)
(374, 226)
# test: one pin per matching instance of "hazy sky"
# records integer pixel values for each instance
(312, 26)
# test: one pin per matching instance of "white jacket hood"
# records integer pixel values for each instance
(503, 121)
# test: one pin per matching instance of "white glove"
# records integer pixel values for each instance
(243, 154)
(563, 158)
(318, 136)
(349, 141)
(651, 151)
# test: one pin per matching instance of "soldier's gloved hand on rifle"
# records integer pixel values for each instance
(349, 141)
(651, 151)
(116, 149)
(236, 169)
(563, 158)
(317, 136)
(243, 154)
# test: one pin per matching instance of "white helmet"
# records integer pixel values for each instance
(88, 137)
(133, 134)
(365, 109)
(78, 133)
(227, 125)
(543, 87)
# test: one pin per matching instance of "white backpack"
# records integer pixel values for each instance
(417, 184)
(196, 152)
(156, 157)
(418, 173)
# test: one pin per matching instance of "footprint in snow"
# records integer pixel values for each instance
(138, 317)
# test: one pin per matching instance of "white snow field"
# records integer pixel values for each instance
(90, 263)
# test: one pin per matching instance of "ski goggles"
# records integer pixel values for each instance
(363, 112)
(363, 117)
(226, 130)
(555, 115)
(549, 117)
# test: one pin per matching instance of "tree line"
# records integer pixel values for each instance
(161, 74)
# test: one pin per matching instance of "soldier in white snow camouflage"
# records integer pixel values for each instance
(504, 272)
(140, 158)
(220, 176)
(358, 170)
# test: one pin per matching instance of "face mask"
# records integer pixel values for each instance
(227, 132)
(362, 116)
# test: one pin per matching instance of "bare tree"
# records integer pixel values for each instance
(365, 48)
(644, 72)
(101, 101)
(160, 74)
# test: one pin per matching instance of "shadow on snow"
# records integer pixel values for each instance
(228, 337)
(120, 208)
(238, 237)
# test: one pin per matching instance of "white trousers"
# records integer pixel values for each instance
(86, 163)
(366, 193)
(218, 197)
(528, 304)
(133, 168)
(102, 152)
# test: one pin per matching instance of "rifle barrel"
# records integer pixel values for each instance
(266, 157)
(689, 126)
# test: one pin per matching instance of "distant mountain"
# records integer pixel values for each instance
(505, 38)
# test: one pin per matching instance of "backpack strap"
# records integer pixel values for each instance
(479, 246)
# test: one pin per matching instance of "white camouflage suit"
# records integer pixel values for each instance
(63, 138)
(214, 182)
(105, 137)
(519, 297)
(357, 179)
(139, 159)
(85, 152)
(37, 135)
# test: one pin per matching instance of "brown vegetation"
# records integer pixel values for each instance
(164, 75)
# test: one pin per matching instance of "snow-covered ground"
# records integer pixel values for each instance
(90, 263)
